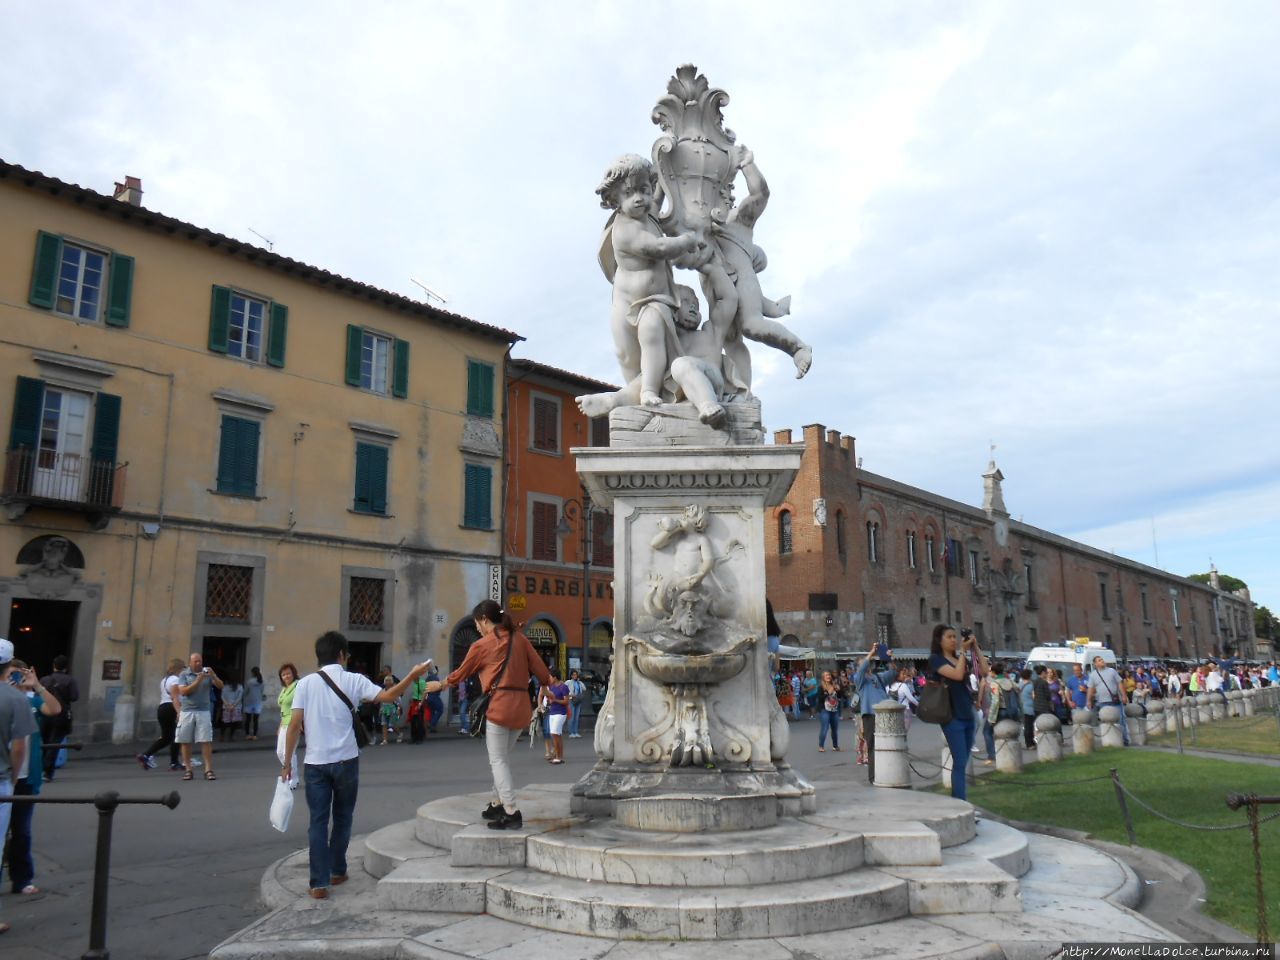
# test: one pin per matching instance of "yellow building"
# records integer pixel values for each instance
(215, 448)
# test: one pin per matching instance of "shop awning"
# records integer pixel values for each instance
(795, 653)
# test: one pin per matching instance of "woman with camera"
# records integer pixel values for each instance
(505, 659)
(949, 662)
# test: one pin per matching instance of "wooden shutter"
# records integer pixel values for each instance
(400, 369)
(543, 545)
(371, 478)
(102, 451)
(601, 547)
(238, 456)
(227, 455)
(478, 495)
(219, 318)
(28, 408)
(546, 424)
(277, 334)
(479, 388)
(355, 339)
(44, 273)
(120, 290)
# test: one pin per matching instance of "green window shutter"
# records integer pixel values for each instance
(479, 388)
(400, 369)
(28, 408)
(478, 495)
(238, 456)
(277, 333)
(219, 318)
(355, 339)
(44, 273)
(371, 478)
(102, 452)
(120, 290)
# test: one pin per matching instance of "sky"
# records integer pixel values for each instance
(1051, 227)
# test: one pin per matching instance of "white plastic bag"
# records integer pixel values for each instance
(281, 806)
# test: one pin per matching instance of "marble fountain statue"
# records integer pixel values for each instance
(691, 825)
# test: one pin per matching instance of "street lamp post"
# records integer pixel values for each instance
(580, 511)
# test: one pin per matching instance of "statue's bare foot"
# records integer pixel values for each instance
(784, 306)
(595, 404)
(803, 360)
(712, 414)
(649, 399)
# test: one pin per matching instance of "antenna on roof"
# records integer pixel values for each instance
(271, 244)
(431, 294)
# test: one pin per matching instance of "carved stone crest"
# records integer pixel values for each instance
(51, 577)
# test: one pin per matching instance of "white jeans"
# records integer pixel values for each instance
(293, 764)
(499, 741)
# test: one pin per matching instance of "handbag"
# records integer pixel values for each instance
(478, 710)
(358, 728)
(935, 703)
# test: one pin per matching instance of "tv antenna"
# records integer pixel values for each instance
(271, 244)
(431, 294)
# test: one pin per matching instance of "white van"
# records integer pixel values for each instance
(1063, 657)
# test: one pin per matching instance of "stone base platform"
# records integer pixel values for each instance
(915, 870)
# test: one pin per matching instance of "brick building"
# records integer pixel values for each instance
(554, 540)
(853, 557)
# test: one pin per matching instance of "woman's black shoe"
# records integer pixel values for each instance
(506, 821)
(492, 811)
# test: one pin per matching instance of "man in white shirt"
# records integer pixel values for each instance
(332, 768)
(1106, 689)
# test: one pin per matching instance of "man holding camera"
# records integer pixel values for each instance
(195, 720)
(872, 679)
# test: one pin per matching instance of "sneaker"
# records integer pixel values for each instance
(142, 761)
(507, 821)
(492, 811)
(151, 762)
(175, 766)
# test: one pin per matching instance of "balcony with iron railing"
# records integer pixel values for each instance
(63, 481)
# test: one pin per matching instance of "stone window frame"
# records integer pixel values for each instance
(229, 403)
(362, 634)
(253, 629)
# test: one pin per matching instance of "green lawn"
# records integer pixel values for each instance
(1257, 734)
(1192, 789)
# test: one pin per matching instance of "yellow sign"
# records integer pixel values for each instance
(517, 601)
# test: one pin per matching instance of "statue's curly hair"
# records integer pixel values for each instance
(628, 167)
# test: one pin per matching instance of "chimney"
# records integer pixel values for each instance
(781, 437)
(129, 192)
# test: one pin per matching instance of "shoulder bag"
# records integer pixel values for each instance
(935, 702)
(478, 710)
(361, 734)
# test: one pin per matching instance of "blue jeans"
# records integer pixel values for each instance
(958, 732)
(22, 869)
(464, 724)
(331, 787)
(989, 738)
(829, 720)
(575, 718)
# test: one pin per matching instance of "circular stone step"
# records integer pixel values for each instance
(692, 813)
(673, 913)
(609, 853)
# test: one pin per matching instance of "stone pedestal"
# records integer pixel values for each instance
(1234, 700)
(1204, 712)
(691, 712)
(892, 768)
(1217, 705)
(1008, 734)
(1247, 701)
(1137, 724)
(1082, 731)
(1048, 738)
(1155, 718)
(1109, 727)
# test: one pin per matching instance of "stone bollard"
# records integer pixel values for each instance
(1204, 713)
(892, 769)
(1218, 704)
(1048, 738)
(946, 768)
(1137, 723)
(1081, 731)
(1109, 723)
(1155, 718)
(1246, 702)
(1009, 746)
(1234, 703)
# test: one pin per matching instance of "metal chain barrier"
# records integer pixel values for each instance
(986, 779)
(1182, 823)
(1235, 801)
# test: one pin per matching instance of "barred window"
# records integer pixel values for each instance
(784, 532)
(367, 603)
(228, 594)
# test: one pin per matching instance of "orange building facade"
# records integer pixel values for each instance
(557, 547)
